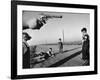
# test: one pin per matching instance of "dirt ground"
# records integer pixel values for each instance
(71, 56)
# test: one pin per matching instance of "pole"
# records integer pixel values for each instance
(63, 35)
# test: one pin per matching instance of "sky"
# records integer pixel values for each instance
(70, 23)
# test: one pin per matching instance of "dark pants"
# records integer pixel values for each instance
(85, 53)
(26, 61)
(61, 50)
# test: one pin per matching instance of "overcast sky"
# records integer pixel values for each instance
(71, 23)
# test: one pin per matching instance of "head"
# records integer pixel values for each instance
(84, 31)
(25, 36)
(43, 17)
(50, 49)
(60, 39)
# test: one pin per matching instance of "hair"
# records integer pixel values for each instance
(27, 35)
(50, 48)
(59, 38)
(83, 29)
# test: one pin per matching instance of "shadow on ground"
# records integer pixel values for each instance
(65, 59)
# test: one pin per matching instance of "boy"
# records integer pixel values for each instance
(26, 50)
(50, 52)
(60, 45)
(85, 46)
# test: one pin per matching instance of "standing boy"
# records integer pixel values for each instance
(60, 45)
(26, 50)
(85, 46)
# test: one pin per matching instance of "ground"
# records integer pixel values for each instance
(71, 56)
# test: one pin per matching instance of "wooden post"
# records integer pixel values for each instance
(63, 35)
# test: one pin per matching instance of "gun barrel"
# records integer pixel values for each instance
(51, 16)
(47, 16)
